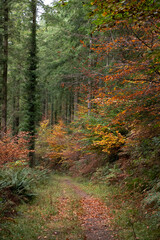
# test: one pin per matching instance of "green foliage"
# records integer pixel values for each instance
(152, 173)
(60, 57)
(100, 174)
(106, 174)
(133, 11)
(150, 146)
(19, 182)
(136, 184)
(98, 136)
(17, 185)
(152, 200)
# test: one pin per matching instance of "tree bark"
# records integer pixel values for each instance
(16, 121)
(89, 80)
(31, 105)
(52, 111)
(1, 55)
(75, 103)
(5, 69)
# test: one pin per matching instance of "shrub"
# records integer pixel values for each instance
(17, 183)
(105, 140)
(13, 148)
(152, 199)
(51, 142)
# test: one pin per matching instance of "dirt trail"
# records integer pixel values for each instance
(95, 215)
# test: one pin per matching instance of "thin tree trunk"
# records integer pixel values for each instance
(1, 56)
(59, 107)
(55, 117)
(70, 107)
(75, 103)
(66, 108)
(31, 85)
(89, 97)
(46, 104)
(52, 111)
(16, 97)
(5, 69)
(89, 80)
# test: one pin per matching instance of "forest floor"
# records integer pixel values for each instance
(94, 217)
(62, 211)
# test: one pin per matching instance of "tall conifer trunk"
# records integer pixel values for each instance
(1, 54)
(31, 85)
(5, 11)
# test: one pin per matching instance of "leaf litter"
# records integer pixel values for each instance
(82, 218)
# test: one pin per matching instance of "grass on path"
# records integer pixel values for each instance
(52, 216)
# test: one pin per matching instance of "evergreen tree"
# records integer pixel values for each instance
(18, 55)
(60, 42)
(31, 83)
(4, 41)
(1, 52)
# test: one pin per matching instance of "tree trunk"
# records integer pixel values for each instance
(1, 55)
(70, 107)
(5, 69)
(16, 97)
(52, 111)
(89, 80)
(55, 117)
(75, 103)
(46, 104)
(31, 83)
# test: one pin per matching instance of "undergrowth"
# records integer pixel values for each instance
(17, 186)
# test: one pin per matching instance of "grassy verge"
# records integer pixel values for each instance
(44, 218)
(128, 216)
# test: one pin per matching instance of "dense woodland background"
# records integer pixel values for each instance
(79, 83)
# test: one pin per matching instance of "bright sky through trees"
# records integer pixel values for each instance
(48, 2)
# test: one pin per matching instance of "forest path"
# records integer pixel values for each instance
(63, 210)
(94, 217)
